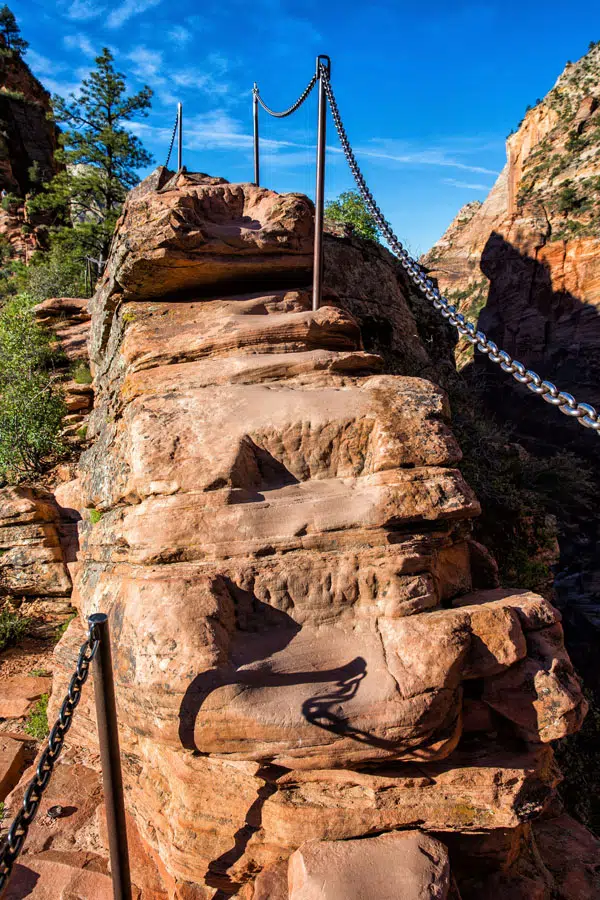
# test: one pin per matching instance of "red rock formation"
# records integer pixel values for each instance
(28, 137)
(526, 264)
(280, 538)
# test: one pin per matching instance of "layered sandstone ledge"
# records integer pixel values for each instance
(277, 530)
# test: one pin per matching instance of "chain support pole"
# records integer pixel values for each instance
(179, 137)
(317, 290)
(108, 736)
(256, 145)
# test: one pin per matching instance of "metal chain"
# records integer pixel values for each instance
(13, 844)
(172, 140)
(292, 109)
(585, 414)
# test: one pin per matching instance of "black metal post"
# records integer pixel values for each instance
(179, 137)
(255, 120)
(108, 735)
(320, 189)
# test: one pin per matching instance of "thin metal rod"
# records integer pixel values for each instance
(256, 149)
(317, 291)
(110, 757)
(179, 136)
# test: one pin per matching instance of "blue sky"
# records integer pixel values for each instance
(428, 91)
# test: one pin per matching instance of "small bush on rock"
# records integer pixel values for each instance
(13, 627)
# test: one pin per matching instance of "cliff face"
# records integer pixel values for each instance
(27, 138)
(309, 648)
(526, 263)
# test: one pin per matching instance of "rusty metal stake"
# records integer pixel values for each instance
(255, 120)
(108, 735)
(320, 189)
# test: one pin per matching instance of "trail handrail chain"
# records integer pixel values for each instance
(291, 109)
(172, 140)
(585, 414)
(17, 833)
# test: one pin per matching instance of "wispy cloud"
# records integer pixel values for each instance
(41, 65)
(426, 157)
(179, 35)
(80, 42)
(147, 63)
(84, 10)
(127, 10)
(467, 185)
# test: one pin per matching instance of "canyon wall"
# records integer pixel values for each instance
(525, 264)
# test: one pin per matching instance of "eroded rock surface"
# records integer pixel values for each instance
(277, 530)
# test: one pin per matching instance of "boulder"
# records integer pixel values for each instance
(400, 866)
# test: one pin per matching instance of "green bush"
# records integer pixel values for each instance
(11, 201)
(13, 627)
(55, 274)
(81, 374)
(350, 209)
(37, 721)
(31, 404)
(568, 199)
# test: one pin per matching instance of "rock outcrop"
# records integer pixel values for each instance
(32, 567)
(526, 263)
(277, 529)
(28, 138)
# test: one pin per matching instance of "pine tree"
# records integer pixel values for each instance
(100, 156)
(11, 33)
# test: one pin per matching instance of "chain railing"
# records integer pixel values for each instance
(585, 414)
(291, 109)
(177, 131)
(96, 647)
(323, 65)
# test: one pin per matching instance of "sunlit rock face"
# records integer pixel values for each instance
(525, 264)
(279, 534)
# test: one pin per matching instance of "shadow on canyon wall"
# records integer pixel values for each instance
(551, 331)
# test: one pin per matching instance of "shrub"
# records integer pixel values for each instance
(10, 202)
(350, 208)
(31, 405)
(13, 627)
(55, 274)
(568, 199)
(81, 374)
(37, 720)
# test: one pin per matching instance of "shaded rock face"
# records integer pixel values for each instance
(27, 137)
(276, 528)
(526, 264)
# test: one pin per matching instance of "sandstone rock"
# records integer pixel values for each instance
(18, 693)
(281, 541)
(541, 695)
(399, 866)
(191, 235)
(31, 560)
(572, 855)
(28, 136)
(44, 877)
(12, 759)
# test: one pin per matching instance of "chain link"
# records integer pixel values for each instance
(17, 833)
(292, 109)
(585, 414)
(172, 140)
